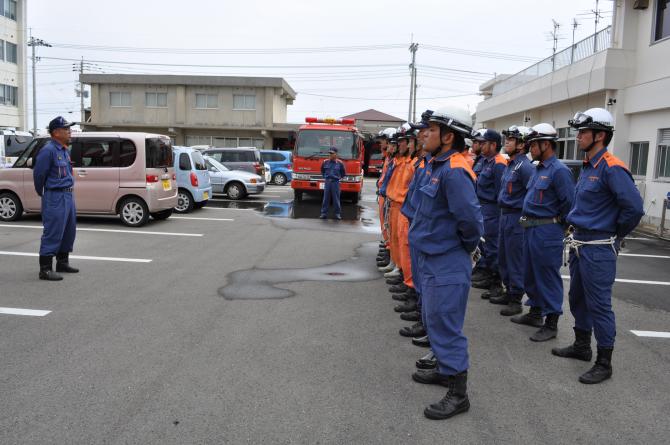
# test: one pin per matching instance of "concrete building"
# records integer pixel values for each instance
(372, 121)
(13, 67)
(193, 110)
(622, 68)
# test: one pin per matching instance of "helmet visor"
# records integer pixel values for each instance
(580, 119)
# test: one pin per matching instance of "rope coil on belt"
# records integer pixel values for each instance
(570, 243)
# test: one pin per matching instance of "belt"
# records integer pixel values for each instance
(580, 231)
(529, 221)
(62, 189)
(506, 210)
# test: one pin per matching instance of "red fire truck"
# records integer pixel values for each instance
(313, 141)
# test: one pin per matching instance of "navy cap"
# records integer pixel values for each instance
(59, 122)
(332, 150)
(491, 136)
(419, 125)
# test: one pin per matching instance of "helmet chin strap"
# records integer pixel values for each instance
(593, 142)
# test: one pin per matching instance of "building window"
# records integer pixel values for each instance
(244, 102)
(119, 99)
(10, 52)
(207, 101)
(198, 140)
(2, 50)
(155, 100)
(8, 8)
(662, 20)
(663, 156)
(638, 158)
(567, 144)
(8, 95)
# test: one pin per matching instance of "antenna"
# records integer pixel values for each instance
(555, 37)
(575, 24)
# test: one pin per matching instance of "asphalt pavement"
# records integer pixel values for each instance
(256, 322)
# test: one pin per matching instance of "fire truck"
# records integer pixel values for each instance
(313, 141)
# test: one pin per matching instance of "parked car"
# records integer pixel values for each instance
(242, 158)
(115, 173)
(236, 184)
(193, 182)
(281, 163)
(268, 172)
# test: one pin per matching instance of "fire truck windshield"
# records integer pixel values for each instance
(316, 143)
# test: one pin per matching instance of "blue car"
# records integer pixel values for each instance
(281, 163)
(193, 183)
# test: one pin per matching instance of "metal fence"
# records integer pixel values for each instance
(580, 50)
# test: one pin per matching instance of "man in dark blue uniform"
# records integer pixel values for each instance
(547, 202)
(332, 170)
(607, 207)
(52, 175)
(445, 230)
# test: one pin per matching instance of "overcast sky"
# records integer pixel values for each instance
(377, 78)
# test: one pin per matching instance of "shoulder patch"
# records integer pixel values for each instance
(613, 161)
(500, 159)
(458, 161)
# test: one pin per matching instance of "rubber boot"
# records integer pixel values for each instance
(455, 402)
(513, 306)
(46, 269)
(416, 330)
(548, 330)
(602, 370)
(63, 263)
(532, 318)
(580, 349)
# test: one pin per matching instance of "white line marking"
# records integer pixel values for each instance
(263, 195)
(86, 229)
(643, 255)
(623, 280)
(639, 238)
(204, 219)
(18, 311)
(226, 208)
(83, 257)
(651, 334)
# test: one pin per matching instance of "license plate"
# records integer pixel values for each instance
(205, 195)
(167, 185)
(322, 185)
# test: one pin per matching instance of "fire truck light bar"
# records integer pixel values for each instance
(329, 120)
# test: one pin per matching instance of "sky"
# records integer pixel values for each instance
(341, 57)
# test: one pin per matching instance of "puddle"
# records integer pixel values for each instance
(260, 284)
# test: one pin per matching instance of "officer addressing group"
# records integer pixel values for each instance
(332, 170)
(52, 175)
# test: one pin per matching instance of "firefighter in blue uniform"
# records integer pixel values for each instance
(52, 175)
(510, 200)
(547, 203)
(607, 207)
(332, 170)
(488, 189)
(445, 230)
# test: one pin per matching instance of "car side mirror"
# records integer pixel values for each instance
(29, 163)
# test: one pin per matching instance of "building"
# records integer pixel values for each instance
(373, 121)
(622, 68)
(217, 111)
(13, 68)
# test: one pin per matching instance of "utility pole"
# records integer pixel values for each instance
(575, 24)
(413, 47)
(596, 13)
(81, 91)
(554, 36)
(33, 42)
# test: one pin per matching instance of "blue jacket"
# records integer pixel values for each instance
(514, 182)
(448, 215)
(387, 177)
(333, 170)
(606, 199)
(477, 165)
(53, 169)
(490, 177)
(418, 180)
(550, 191)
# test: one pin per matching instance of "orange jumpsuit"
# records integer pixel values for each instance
(396, 192)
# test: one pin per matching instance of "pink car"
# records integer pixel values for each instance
(126, 174)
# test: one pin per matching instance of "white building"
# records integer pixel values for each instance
(623, 68)
(13, 70)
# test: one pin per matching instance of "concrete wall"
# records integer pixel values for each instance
(15, 74)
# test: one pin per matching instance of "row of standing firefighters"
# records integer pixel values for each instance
(448, 199)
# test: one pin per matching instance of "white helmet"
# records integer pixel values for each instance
(593, 119)
(389, 132)
(542, 132)
(468, 142)
(454, 117)
(478, 135)
(517, 132)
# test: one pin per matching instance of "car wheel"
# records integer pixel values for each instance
(134, 212)
(184, 202)
(163, 214)
(279, 179)
(11, 208)
(235, 190)
(297, 195)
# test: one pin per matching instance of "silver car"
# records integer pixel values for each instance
(236, 184)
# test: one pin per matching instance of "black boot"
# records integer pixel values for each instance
(428, 361)
(393, 281)
(63, 263)
(580, 349)
(495, 292)
(416, 330)
(46, 269)
(513, 305)
(532, 318)
(408, 306)
(399, 288)
(602, 370)
(400, 297)
(548, 330)
(422, 342)
(430, 377)
(411, 316)
(499, 296)
(384, 262)
(479, 274)
(455, 402)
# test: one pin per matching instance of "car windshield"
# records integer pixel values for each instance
(318, 142)
(211, 162)
(16, 144)
(198, 160)
(159, 152)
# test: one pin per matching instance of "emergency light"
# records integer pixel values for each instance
(329, 120)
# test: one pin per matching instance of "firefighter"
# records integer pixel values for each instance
(476, 151)
(392, 269)
(385, 137)
(607, 207)
(510, 237)
(545, 206)
(332, 170)
(445, 230)
(384, 256)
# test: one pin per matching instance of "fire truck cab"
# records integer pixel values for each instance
(313, 141)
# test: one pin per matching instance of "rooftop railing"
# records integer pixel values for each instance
(580, 50)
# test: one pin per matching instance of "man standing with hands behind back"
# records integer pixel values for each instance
(332, 170)
(54, 183)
